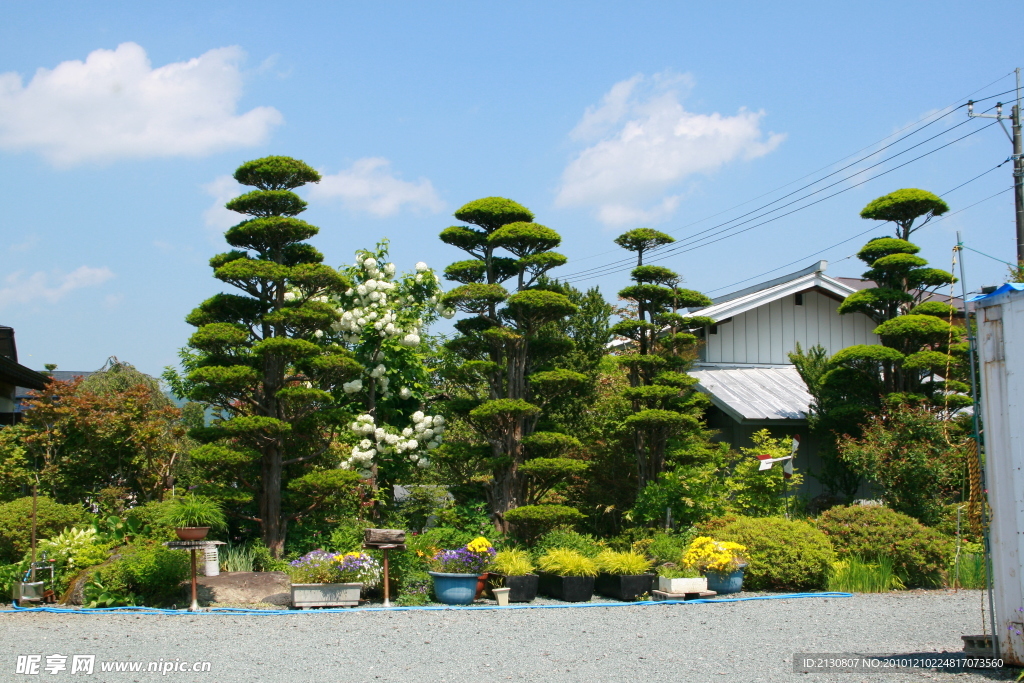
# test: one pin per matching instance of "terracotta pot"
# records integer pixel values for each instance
(481, 584)
(192, 533)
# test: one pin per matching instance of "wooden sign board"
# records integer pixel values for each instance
(384, 536)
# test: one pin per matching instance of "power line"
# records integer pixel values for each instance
(872, 228)
(951, 107)
(675, 247)
(695, 243)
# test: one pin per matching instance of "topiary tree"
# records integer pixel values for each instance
(502, 370)
(663, 400)
(258, 357)
(922, 356)
(904, 207)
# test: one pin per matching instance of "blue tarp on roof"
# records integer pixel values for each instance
(1019, 286)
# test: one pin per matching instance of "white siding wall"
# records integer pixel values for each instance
(768, 333)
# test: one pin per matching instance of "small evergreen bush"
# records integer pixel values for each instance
(531, 521)
(566, 539)
(148, 570)
(668, 546)
(919, 554)
(783, 554)
(16, 524)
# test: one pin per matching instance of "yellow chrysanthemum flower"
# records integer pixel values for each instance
(478, 545)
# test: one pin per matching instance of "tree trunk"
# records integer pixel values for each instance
(273, 526)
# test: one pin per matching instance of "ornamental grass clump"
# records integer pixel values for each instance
(321, 566)
(705, 555)
(476, 557)
(194, 511)
(513, 563)
(622, 563)
(564, 562)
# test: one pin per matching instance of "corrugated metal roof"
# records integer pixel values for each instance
(756, 393)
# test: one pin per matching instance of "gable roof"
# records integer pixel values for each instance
(750, 298)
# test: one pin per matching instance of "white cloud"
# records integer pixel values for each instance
(643, 144)
(216, 217)
(20, 288)
(370, 186)
(116, 105)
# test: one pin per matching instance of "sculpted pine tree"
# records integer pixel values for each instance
(258, 358)
(504, 345)
(664, 403)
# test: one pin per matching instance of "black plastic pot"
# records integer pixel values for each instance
(524, 588)
(567, 588)
(623, 587)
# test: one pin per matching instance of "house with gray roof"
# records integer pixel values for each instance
(744, 365)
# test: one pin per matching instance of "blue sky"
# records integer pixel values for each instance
(121, 122)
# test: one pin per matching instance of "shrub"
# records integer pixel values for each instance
(149, 514)
(783, 554)
(16, 524)
(668, 546)
(531, 521)
(918, 553)
(565, 539)
(693, 493)
(565, 562)
(148, 570)
(622, 564)
(72, 551)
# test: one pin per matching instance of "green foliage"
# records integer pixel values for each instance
(72, 551)
(642, 239)
(967, 570)
(513, 562)
(782, 554)
(854, 574)
(237, 558)
(98, 596)
(149, 570)
(16, 524)
(490, 213)
(584, 544)
(903, 207)
(918, 553)
(276, 173)
(10, 574)
(564, 562)
(623, 563)
(194, 511)
(917, 459)
(692, 493)
(762, 494)
(668, 546)
(531, 521)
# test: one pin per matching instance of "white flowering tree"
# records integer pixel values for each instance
(382, 317)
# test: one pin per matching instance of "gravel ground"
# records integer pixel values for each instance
(735, 641)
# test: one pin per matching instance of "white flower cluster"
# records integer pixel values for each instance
(424, 435)
(372, 303)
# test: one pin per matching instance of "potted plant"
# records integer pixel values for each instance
(324, 579)
(680, 580)
(193, 516)
(567, 575)
(514, 570)
(456, 573)
(624, 576)
(722, 562)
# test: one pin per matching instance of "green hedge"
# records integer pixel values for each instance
(531, 521)
(16, 524)
(148, 570)
(919, 553)
(783, 554)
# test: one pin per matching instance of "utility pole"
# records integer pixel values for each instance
(1018, 157)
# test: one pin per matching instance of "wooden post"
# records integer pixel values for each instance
(195, 601)
(387, 581)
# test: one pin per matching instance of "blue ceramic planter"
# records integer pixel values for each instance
(726, 583)
(454, 589)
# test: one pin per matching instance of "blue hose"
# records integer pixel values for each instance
(568, 605)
